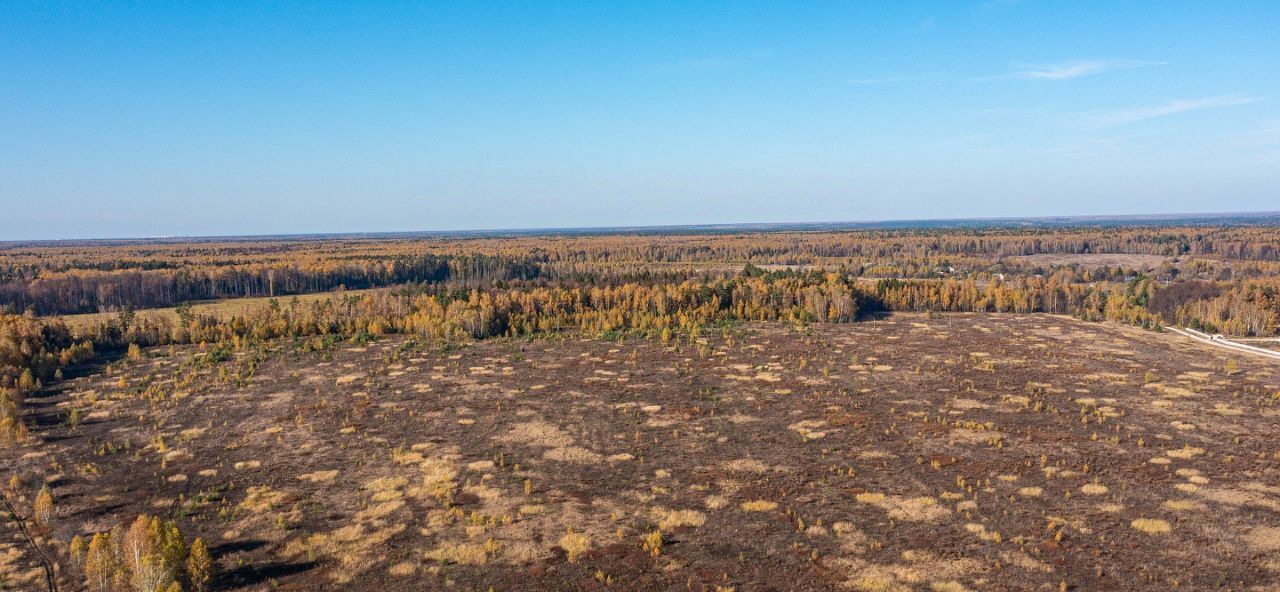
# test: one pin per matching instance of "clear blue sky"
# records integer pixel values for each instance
(198, 118)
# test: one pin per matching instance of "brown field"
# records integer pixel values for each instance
(967, 452)
(1128, 261)
(220, 309)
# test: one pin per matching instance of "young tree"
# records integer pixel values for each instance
(100, 565)
(199, 566)
(42, 510)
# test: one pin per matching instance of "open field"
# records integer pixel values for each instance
(220, 309)
(1128, 261)
(964, 452)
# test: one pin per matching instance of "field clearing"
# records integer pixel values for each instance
(967, 452)
(1143, 262)
(221, 309)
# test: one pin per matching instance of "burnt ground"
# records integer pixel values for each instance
(982, 452)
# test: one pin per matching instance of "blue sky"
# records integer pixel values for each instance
(150, 119)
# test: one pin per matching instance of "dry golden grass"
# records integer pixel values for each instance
(1151, 525)
(460, 553)
(1263, 539)
(222, 309)
(672, 519)
(319, 476)
(913, 509)
(575, 544)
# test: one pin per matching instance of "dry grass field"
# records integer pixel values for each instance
(220, 309)
(1129, 261)
(965, 452)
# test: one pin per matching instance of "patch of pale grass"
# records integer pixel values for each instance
(911, 509)
(263, 499)
(575, 544)
(669, 520)
(759, 506)
(1151, 526)
(1182, 505)
(572, 454)
(981, 532)
(1263, 539)
(459, 553)
(437, 471)
(318, 476)
(380, 510)
(918, 509)
(1186, 452)
(808, 429)
(1024, 561)
(747, 465)
(403, 569)
(538, 433)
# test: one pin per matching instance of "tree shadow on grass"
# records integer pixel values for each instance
(254, 574)
(236, 547)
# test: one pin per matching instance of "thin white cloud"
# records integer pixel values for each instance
(1069, 70)
(1102, 119)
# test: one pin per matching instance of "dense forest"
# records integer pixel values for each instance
(1218, 278)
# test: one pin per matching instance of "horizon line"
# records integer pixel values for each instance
(798, 226)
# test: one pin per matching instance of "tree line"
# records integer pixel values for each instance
(87, 291)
